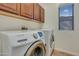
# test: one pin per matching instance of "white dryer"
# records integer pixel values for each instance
(49, 40)
(22, 43)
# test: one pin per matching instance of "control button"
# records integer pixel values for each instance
(35, 35)
(40, 34)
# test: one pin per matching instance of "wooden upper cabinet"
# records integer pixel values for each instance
(36, 12)
(27, 10)
(42, 14)
(10, 7)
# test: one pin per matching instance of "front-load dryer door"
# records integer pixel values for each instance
(36, 49)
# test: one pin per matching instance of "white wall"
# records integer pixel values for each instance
(10, 23)
(64, 40)
(50, 15)
(69, 40)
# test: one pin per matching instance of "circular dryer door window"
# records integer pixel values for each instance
(36, 49)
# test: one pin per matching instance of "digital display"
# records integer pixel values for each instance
(40, 34)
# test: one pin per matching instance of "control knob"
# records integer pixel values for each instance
(35, 35)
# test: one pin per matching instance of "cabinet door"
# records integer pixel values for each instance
(27, 10)
(10, 7)
(42, 14)
(36, 12)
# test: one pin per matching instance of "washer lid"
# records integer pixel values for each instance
(36, 49)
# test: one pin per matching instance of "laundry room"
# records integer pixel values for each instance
(34, 18)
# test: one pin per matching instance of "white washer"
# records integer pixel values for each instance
(22, 43)
(49, 40)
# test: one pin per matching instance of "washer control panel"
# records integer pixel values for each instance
(38, 35)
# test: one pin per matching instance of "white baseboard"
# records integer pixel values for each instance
(67, 52)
